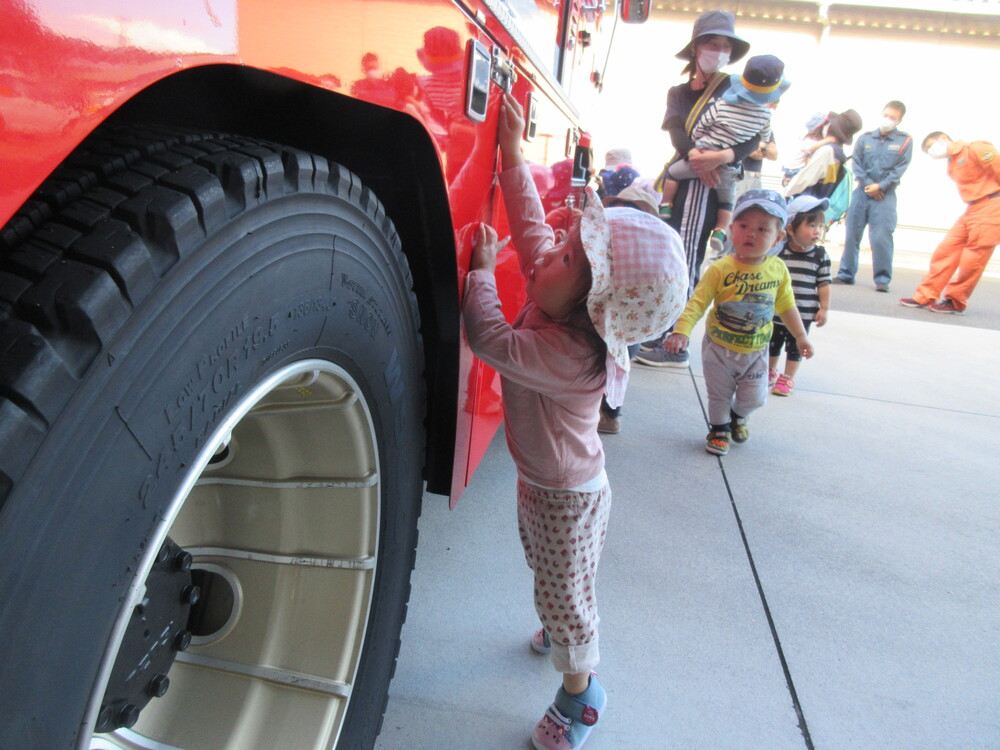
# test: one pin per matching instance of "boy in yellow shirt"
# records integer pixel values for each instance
(747, 289)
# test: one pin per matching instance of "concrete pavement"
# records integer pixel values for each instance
(832, 583)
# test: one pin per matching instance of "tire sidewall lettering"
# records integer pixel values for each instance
(215, 327)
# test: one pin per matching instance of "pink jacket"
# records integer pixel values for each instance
(551, 387)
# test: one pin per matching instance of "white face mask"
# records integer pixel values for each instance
(886, 125)
(712, 62)
(938, 150)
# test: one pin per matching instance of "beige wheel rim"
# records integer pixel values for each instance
(281, 509)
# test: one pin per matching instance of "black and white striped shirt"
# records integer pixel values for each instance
(809, 271)
(726, 124)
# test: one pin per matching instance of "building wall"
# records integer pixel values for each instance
(945, 80)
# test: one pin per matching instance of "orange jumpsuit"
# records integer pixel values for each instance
(969, 244)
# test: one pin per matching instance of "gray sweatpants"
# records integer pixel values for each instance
(734, 381)
(725, 190)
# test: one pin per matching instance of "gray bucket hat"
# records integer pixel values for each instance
(843, 126)
(715, 23)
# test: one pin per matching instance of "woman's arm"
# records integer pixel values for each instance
(742, 150)
(673, 121)
(679, 138)
(704, 164)
(705, 161)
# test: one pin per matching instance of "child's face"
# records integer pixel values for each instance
(754, 232)
(559, 280)
(806, 234)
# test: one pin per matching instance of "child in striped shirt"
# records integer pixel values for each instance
(741, 114)
(809, 267)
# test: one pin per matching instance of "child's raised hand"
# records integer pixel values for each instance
(485, 248)
(510, 128)
(676, 343)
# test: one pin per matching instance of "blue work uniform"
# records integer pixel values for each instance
(878, 158)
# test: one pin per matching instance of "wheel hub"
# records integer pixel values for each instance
(157, 630)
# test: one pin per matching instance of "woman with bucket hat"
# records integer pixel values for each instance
(713, 45)
(825, 168)
(740, 115)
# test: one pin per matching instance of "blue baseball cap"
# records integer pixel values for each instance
(803, 204)
(763, 81)
(768, 200)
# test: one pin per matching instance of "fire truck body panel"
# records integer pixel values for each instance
(231, 261)
(207, 65)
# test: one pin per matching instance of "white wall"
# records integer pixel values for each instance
(948, 87)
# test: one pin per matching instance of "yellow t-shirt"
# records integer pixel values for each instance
(746, 300)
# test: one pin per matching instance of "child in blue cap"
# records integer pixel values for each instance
(741, 114)
(746, 290)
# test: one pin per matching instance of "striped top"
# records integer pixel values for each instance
(809, 271)
(443, 93)
(726, 124)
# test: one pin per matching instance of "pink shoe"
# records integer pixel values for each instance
(783, 386)
(540, 643)
(772, 377)
(570, 719)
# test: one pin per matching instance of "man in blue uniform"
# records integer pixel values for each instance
(880, 158)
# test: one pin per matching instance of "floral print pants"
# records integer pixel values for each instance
(563, 534)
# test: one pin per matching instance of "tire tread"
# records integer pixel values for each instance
(95, 239)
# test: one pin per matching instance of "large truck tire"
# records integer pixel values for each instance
(211, 419)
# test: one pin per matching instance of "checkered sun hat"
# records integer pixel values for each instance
(639, 281)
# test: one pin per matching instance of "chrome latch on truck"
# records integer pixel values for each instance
(477, 81)
(503, 73)
(481, 68)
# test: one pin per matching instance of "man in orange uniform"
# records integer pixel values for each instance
(969, 244)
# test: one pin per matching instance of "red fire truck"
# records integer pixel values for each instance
(230, 351)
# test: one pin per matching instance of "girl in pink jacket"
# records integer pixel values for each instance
(615, 277)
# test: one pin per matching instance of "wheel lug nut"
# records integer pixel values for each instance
(163, 554)
(128, 716)
(106, 719)
(182, 641)
(183, 560)
(190, 594)
(159, 685)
